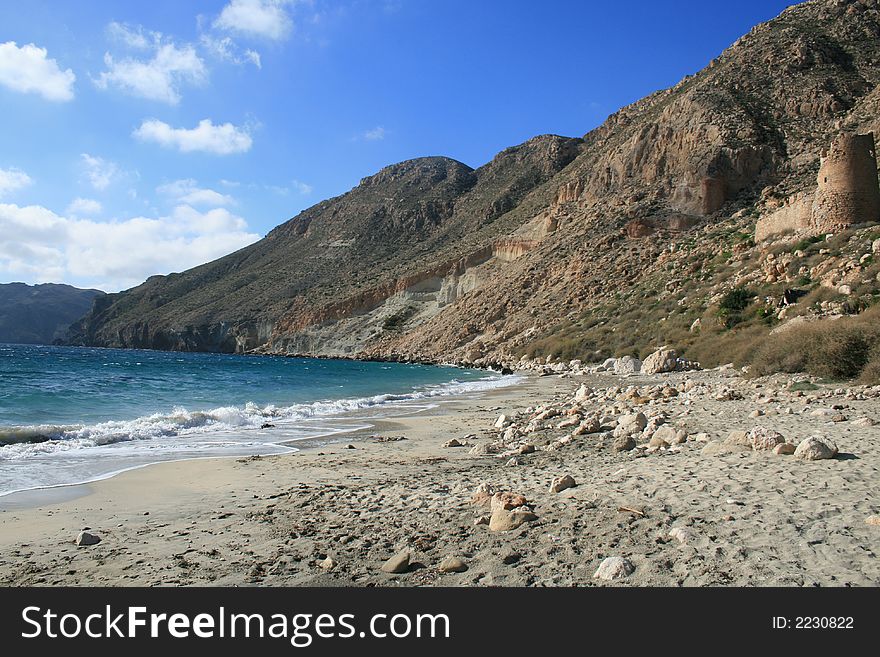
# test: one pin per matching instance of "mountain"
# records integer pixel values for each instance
(41, 314)
(573, 247)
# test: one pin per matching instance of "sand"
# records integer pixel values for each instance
(332, 515)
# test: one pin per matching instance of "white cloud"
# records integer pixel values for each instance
(12, 180)
(158, 78)
(84, 207)
(223, 139)
(301, 187)
(37, 245)
(133, 37)
(98, 171)
(29, 70)
(188, 192)
(266, 19)
(376, 134)
(224, 48)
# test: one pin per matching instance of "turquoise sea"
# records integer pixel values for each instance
(70, 415)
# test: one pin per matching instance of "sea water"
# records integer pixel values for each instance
(71, 415)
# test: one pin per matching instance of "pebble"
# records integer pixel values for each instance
(561, 483)
(452, 565)
(399, 563)
(84, 539)
(614, 568)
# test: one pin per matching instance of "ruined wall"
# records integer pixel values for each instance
(847, 193)
(794, 216)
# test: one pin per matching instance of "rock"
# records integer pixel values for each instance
(327, 564)
(399, 563)
(662, 360)
(526, 449)
(483, 493)
(756, 413)
(590, 425)
(845, 290)
(452, 565)
(717, 448)
(502, 422)
(627, 365)
(561, 483)
(738, 439)
(84, 539)
(350, 446)
(657, 442)
(623, 443)
(507, 501)
(454, 442)
(481, 520)
(697, 324)
(684, 535)
(503, 520)
(483, 449)
(873, 520)
(764, 439)
(614, 568)
(631, 424)
(863, 422)
(583, 393)
(816, 448)
(784, 449)
(702, 437)
(669, 435)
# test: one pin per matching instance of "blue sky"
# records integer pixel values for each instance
(140, 138)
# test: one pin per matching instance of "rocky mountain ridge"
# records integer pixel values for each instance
(604, 245)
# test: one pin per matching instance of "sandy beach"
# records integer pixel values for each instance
(693, 505)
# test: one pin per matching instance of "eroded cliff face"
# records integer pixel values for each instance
(430, 259)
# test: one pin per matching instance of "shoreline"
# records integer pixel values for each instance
(331, 516)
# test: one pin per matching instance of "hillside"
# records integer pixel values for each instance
(585, 247)
(40, 314)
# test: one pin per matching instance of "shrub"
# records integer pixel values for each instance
(735, 301)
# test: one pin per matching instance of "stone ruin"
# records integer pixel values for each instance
(847, 194)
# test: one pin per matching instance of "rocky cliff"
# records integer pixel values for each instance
(40, 314)
(587, 246)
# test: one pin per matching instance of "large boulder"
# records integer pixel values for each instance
(764, 439)
(662, 360)
(627, 365)
(816, 448)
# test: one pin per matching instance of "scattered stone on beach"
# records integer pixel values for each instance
(481, 520)
(684, 535)
(816, 448)
(631, 424)
(561, 483)
(627, 365)
(701, 437)
(397, 564)
(387, 439)
(756, 413)
(327, 564)
(784, 449)
(84, 539)
(764, 439)
(452, 565)
(662, 360)
(863, 422)
(873, 520)
(350, 446)
(738, 439)
(483, 493)
(507, 500)
(526, 449)
(454, 442)
(623, 443)
(583, 393)
(614, 568)
(590, 425)
(502, 422)
(503, 520)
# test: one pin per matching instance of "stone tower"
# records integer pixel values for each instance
(848, 192)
